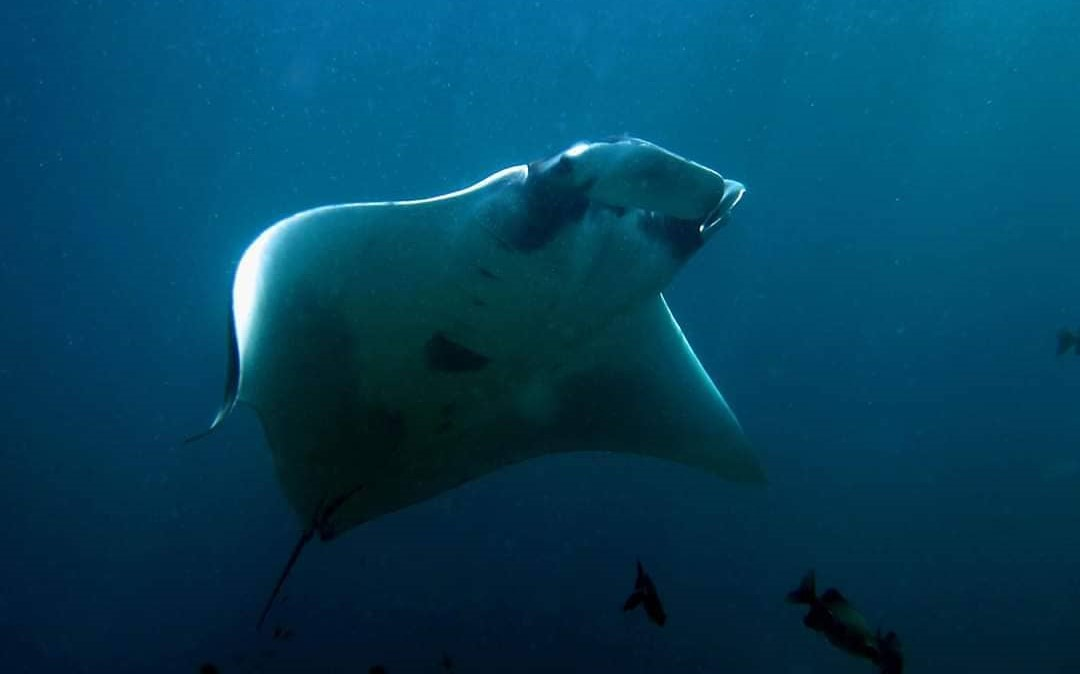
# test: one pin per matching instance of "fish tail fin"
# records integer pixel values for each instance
(1067, 340)
(638, 595)
(890, 654)
(889, 642)
(806, 593)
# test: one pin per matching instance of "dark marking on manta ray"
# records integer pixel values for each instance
(446, 355)
(563, 167)
(551, 203)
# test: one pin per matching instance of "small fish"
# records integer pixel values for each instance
(377, 669)
(646, 595)
(208, 668)
(834, 616)
(447, 662)
(1067, 339)
(282, 633)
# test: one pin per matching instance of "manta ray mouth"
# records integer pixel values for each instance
(734, 191)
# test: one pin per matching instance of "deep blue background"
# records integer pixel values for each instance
(881, 315)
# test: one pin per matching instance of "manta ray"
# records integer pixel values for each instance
(395, 350)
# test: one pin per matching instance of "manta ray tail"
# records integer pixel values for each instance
(305, 538)
(232, 381)
(321, 524)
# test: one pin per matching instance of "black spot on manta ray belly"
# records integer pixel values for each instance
(443, 354)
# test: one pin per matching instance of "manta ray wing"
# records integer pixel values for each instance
(639, 388)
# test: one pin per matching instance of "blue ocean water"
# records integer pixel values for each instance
(881, 315)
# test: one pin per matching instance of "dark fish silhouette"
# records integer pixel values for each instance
(377, 669)
(447, 662)
(282, 633)
(645, 594)
(834, 616)
(1067, 339)
(208, 668)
